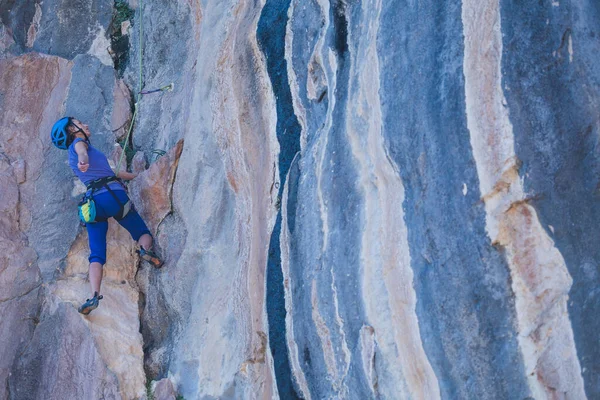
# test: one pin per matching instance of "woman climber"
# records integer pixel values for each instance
(105, 197)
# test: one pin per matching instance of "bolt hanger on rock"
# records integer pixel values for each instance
(167, 88)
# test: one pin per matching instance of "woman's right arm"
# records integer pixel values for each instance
(82, 156)
(127, 176)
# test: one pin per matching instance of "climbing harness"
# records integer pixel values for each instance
(87, 206)
(140, 92)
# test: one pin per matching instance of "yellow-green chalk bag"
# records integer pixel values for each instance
(87, 210)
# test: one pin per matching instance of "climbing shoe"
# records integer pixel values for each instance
(90, 304)
(151, 257)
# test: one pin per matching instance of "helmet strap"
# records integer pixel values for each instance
(87, 138)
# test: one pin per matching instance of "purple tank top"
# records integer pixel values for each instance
(98, 166)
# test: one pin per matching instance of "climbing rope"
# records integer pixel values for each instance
(140, 92)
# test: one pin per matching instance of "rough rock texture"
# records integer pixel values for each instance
(540, 279)
(553, 96)
(152, 190)
(64, 28)
(359, 200)
(164, 390)
(45, 370)
(348, 260)
(212, 292)
(403, 103)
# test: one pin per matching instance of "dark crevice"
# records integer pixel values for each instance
(340, 24)
(271, 38)
(152, 338)
(119, 43)
(17, 17)
(155, 331)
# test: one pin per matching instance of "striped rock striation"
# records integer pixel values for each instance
(376, 199)
(416, 256)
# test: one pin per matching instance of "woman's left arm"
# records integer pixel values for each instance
(82, 156)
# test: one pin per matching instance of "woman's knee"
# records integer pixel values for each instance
(94, 258)
(135, 225)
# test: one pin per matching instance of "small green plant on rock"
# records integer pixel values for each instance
(122, 13)
(119, 43)
(149, 394)
(129, 153)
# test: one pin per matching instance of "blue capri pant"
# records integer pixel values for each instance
(107, 206)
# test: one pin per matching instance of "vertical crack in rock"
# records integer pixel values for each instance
(322, 230)
(119, 35)
(288, 225)
(340, 24)
(271, 36)
(334, 277)
(152, 191)
(540, 279)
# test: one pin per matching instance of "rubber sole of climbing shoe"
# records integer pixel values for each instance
(89, 305)
(152, 258)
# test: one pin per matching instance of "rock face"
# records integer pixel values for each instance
(369, 199)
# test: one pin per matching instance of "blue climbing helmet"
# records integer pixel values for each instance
(60, 135)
